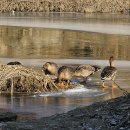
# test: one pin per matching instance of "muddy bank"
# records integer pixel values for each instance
(65, 5)
(6, 116)
(109, 115)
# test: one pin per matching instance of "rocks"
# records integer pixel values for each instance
(7, 116)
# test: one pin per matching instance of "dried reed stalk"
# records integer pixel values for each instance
(65, 5)
(18, 78)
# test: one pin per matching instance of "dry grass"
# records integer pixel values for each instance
(17, 78)
(65, 5)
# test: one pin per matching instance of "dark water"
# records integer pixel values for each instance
(66, 44)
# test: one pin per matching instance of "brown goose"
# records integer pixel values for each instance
(65, 73)
(109, 72)
(50, 68)
(14, 63)
(86, 70)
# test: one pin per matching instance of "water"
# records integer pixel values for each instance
(19, 42)
(67, 39)
(103, 23)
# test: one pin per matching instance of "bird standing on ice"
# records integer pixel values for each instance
(109, 72)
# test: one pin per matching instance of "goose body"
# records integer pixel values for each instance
(84, 70)
(65, 73)
(14, 63)
(109, 72)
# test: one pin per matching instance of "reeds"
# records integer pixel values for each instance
(65, 5)
(17, 78)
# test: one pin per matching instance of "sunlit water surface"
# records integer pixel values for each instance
(67, 39)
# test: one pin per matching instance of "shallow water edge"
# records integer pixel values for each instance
(101, 115)
(40, 62)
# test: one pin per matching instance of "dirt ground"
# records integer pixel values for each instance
(113, 114)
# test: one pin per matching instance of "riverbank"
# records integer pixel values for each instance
(80, 6)
(112, 114)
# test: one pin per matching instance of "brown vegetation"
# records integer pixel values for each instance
(65, 5)
(17, 78)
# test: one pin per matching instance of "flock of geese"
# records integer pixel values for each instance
(66, 73)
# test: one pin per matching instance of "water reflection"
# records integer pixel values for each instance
(40, 43)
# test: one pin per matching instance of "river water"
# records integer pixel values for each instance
(67, 39)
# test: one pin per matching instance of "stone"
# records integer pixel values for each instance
(7, 116)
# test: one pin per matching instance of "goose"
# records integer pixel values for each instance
(109, 72)
(14, 63)
(86, 70)
(50, 68)
(65, 74)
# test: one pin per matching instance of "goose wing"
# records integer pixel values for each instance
(108, 73)
(65, 68)
(84, 70)
(65, 73)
